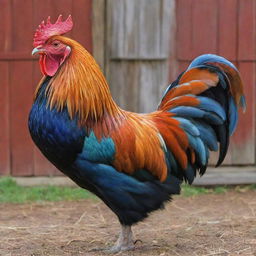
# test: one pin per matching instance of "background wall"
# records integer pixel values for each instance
(141, 46)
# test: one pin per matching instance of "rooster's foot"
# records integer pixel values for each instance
(124, 242)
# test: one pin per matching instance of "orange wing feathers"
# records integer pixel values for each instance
(138, 146)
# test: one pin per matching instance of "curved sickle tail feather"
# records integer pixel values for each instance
(204, 99)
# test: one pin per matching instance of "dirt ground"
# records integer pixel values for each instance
(203, 225)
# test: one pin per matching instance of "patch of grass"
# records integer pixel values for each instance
(220, 189)
(188, 190)
(252, 187)
(11, 192)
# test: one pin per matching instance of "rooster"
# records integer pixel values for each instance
(133, 162)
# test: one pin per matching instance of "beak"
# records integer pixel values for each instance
(37, 50)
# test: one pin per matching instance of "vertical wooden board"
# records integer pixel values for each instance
(112, 30)
(41, 10)
(183, 65)
(214, 156)
(167, 26)
(205, 27)
(140, 29)
(138, 85)
(52, 8)
(20, 104)
(37, 75)
(82, 16)
(151, 84)
(22, 25)
(172, 60)
(42, 167)
(4, 120)
(81, 11)
(150, 21)
(5, 28)
(247, 30)
(243, 149)
(123, 17)
(228, 23)
(184, 29)
(162, 80)
(98, 31)
(124, 83)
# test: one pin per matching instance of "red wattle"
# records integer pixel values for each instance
(42, 65)
(48, 65)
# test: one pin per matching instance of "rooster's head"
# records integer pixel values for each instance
(53, 52)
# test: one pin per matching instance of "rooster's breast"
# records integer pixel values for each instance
(58, 137)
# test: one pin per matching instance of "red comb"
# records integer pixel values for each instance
(46, 30)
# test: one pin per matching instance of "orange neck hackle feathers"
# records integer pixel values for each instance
(80, 86)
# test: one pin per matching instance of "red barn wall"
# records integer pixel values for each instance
(20, 74)
(227, 28)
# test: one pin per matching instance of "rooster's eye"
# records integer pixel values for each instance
(55, 44)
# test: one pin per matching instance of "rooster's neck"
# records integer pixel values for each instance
(80, 86)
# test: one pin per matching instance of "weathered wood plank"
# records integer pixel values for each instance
(183, 65)
(227, 176)
(138, 29)
(152, 83)
(138, 85)
(42, 167)
(43, 9)
(5, 28)
(136, 75)
(247, 30)
(22, 29)
(82, 31)
(123, 78)
(172, 60)
(98, 31)
(197, 28)
(205, 27)
(184, 29)
(243, 147)
(4, 120)
(21, 92)
(228, 23)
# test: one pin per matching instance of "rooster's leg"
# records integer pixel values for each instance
(124, 241)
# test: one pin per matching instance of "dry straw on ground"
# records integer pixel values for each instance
(203, 225)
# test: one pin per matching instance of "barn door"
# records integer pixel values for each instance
(137, 51)
(227, 28)
(20, 74)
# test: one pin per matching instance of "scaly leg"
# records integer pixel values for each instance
(124, 241)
